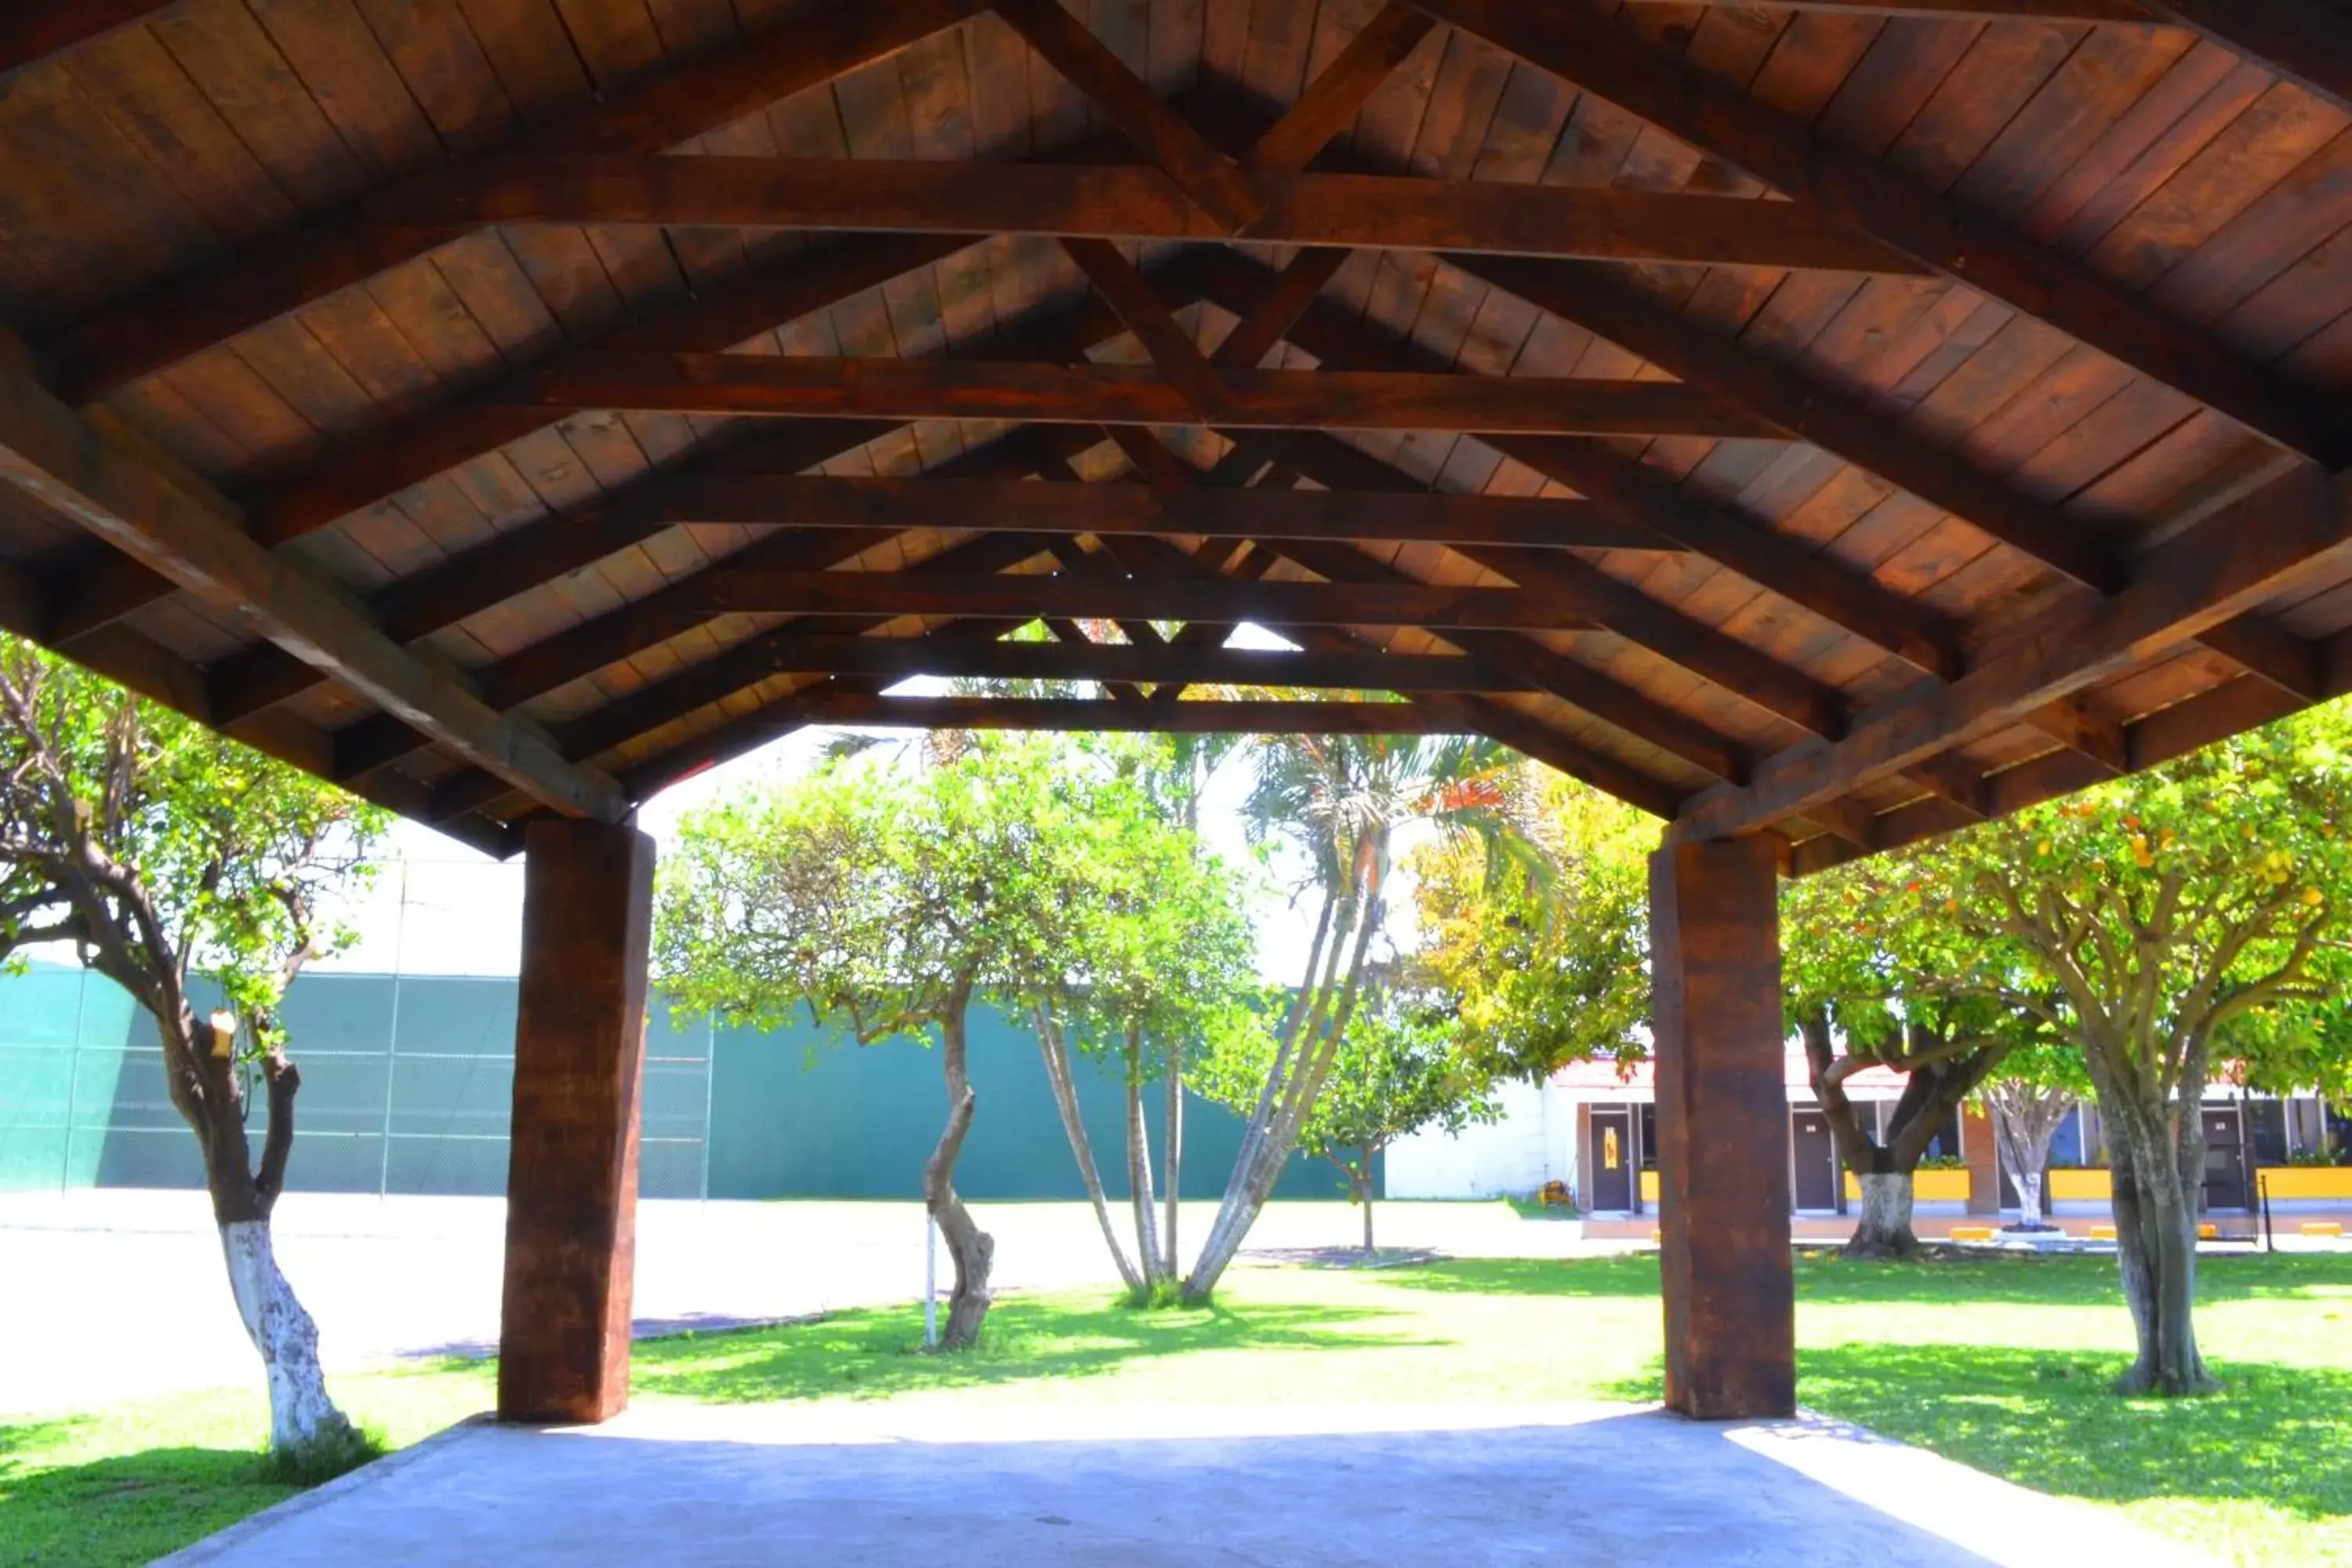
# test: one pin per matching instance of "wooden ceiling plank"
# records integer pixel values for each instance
(2297, 527)
(173, 525)
(163, 324)
(139, 664)
(2309, 42)
(33, 30)
(1331, 101)
(1597, 299)
(1130, 296)
(902, 390)
(1719, 119)
(1131, 202)
(1064, 42)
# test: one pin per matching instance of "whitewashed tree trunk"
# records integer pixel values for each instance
(302, 1416)
(1884, 1228)
(2029, 1200)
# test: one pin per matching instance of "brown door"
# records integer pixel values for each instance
(2225, 1158)
(1611, 1185)
(1817, 1183)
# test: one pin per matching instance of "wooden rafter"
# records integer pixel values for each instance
(1606, 59)
(1132, 201)
(1202, 718)
(900, 390)
(2294, 530)
(173, 524)
(161, 325)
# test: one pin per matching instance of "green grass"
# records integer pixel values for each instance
(2003, 1363)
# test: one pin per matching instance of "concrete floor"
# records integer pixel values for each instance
(394, 1278)
(1142, 1487)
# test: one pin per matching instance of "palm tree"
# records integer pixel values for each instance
(1341, 800)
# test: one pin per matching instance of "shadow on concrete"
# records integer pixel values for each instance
(1630, 1490)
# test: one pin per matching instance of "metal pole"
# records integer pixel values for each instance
(2263, 1181)
(930, 1281)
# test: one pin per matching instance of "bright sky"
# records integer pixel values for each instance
(439, 908)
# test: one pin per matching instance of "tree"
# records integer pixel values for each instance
(2153, 922)
(162, 854)
(1546, 949)
(2026, 1101)
(1845, 965)
(1160, 953)
(1338, 800)
(1398, 1070)
(888, 901)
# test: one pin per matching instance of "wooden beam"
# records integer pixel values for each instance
(1600, 301)
(821, 500)
(1337, 95)
(1135, 663)
(2093, 11)
(2291, 531)
(1130, 294)
(1135, 203)
(2309, 42)
(728, 589)
(181, 316)
(1611, 61)
(172, 525)
(1064, 42)
(137, 663)
(33, 30)
(903, 390)
(1204, 718)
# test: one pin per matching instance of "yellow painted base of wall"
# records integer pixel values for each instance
(2288, 1182)
(2080, 1186)
(1926, 1187)
(1649, 1186)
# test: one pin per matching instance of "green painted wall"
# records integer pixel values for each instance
(407, 1081)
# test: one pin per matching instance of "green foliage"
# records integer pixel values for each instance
(1396, 1071)
(159, 849)
(2196, 908)
(1547, 949)
(882, 897)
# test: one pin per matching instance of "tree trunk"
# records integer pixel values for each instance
(2156, 1247)
(1139, 1166)
(1364, 1196)
(1173, 1163)
(971, 1248)
(1282, 1111)
(304, 1418)
(2024, 1119)
(1885, 1229)
(1055, 1047)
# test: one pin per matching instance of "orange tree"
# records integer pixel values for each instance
(2171, 925)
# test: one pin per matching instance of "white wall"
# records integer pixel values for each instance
(1515, 1155)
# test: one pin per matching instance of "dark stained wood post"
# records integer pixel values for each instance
(1723, 1129)
(571, 1179)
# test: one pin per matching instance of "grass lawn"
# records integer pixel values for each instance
(2002, 1364)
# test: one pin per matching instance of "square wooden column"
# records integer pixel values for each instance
(1723, 1129)
(1983, 1157)
(571, 1176)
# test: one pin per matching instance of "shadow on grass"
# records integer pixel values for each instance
(127, 1508)
(2278, 1436)
(2054, 1279)
(875, 1354)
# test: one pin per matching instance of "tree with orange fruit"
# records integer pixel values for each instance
(2168, 923)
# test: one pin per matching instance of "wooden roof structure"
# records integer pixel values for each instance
(1838, 419)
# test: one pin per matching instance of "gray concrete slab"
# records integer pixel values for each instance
(848, 1486)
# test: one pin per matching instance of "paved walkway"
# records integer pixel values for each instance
(1145, 1488)
(394, 1278)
